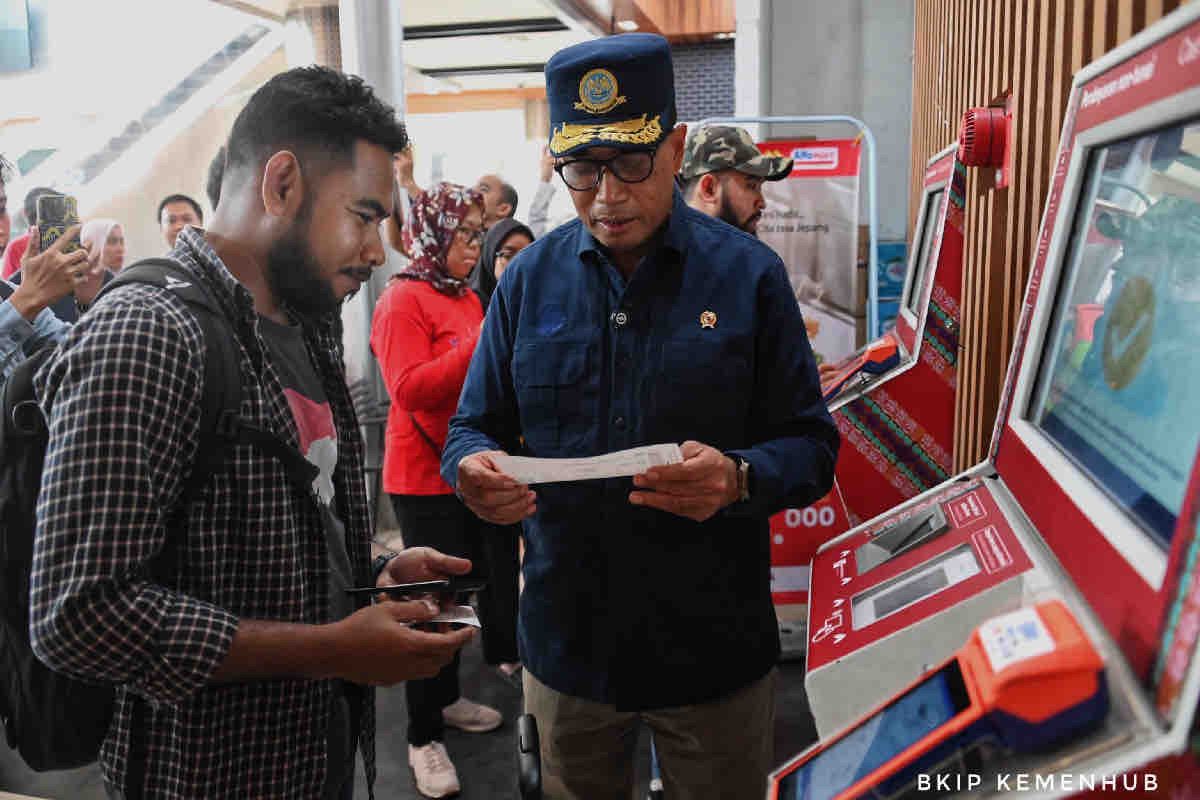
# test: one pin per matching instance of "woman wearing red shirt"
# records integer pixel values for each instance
(423, 333)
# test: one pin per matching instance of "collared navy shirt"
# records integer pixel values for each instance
(626, 605)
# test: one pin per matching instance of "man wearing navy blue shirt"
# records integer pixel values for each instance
(643, 322)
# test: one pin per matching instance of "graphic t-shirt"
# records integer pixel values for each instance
(318, 442)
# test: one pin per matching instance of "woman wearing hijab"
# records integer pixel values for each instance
(503, 241)
(423, 333)
(499, 614)
(105, 242)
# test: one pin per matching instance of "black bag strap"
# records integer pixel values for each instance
(221, 425)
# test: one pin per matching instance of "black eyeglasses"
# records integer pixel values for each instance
(582, 174)
(468, 235)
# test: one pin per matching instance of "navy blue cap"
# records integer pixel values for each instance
(618, 91)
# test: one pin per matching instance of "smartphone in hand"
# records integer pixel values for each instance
(56, 213)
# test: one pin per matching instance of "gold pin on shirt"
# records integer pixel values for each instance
(708, 319)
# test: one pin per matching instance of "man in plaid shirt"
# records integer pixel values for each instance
(244, 673)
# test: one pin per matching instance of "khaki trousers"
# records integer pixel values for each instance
(719, 750)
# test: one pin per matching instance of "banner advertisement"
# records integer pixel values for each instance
(811, 221)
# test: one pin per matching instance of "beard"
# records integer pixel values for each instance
(295, 276)
(729, 214)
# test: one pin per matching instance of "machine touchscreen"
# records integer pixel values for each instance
(880, 738)
(1117, 385)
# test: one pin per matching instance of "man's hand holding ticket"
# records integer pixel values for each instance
(692, 480)
(621, 464)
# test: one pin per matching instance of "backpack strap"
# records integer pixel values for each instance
(221, 425)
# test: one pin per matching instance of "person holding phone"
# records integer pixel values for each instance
(242, 667)
(16, 246)
(26, 321)
(423, 333)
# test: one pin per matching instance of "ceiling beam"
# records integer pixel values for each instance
(274, 10)
(484, 69)
(490, 28)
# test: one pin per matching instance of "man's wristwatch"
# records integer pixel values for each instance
(743, 478)
(380, 564)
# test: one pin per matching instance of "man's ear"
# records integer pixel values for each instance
(282, 185)
(503, 210)
(709, 188)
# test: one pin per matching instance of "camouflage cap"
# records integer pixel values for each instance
(719, 147)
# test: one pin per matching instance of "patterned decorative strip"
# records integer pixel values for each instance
(882, 448)
(882, 430)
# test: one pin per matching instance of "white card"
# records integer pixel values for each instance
(622, 463)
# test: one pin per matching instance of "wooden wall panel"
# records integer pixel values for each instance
(972, 53)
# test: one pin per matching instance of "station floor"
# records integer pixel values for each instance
(486, 763)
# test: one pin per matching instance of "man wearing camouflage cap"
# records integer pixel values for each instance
(723, 174)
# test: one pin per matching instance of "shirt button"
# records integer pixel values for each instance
(620, 318)
(620, 423)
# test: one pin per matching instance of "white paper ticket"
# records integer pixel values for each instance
(622, 463)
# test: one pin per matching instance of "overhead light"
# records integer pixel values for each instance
(724, 35)
(627, 25)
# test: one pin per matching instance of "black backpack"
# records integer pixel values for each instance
(52, 720)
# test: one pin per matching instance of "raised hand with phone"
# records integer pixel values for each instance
(50, 274)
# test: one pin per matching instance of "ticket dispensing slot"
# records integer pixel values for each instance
(901, 537)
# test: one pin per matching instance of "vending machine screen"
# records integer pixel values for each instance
(1118, 382)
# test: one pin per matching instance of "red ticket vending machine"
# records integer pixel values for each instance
(893, 401)
(1091, 492)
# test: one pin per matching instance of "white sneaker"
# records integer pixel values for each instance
(433, 771)
(472, 717)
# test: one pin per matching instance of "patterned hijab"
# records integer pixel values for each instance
(429, 230)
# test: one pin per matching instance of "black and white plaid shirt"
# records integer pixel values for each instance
(123, 401)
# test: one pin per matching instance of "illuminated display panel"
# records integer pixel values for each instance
(1117, 384)
(930, 216)
(882, 737)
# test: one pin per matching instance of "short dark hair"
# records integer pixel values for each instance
(216, 171)
(509, 195)
(315, 112)
(178, 198)
(688, 185)
(31, 198)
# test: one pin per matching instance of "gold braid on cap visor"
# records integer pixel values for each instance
(631, 131)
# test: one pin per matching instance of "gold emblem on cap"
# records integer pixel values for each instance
(632, 131)
(598, 92)
(708, 319)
